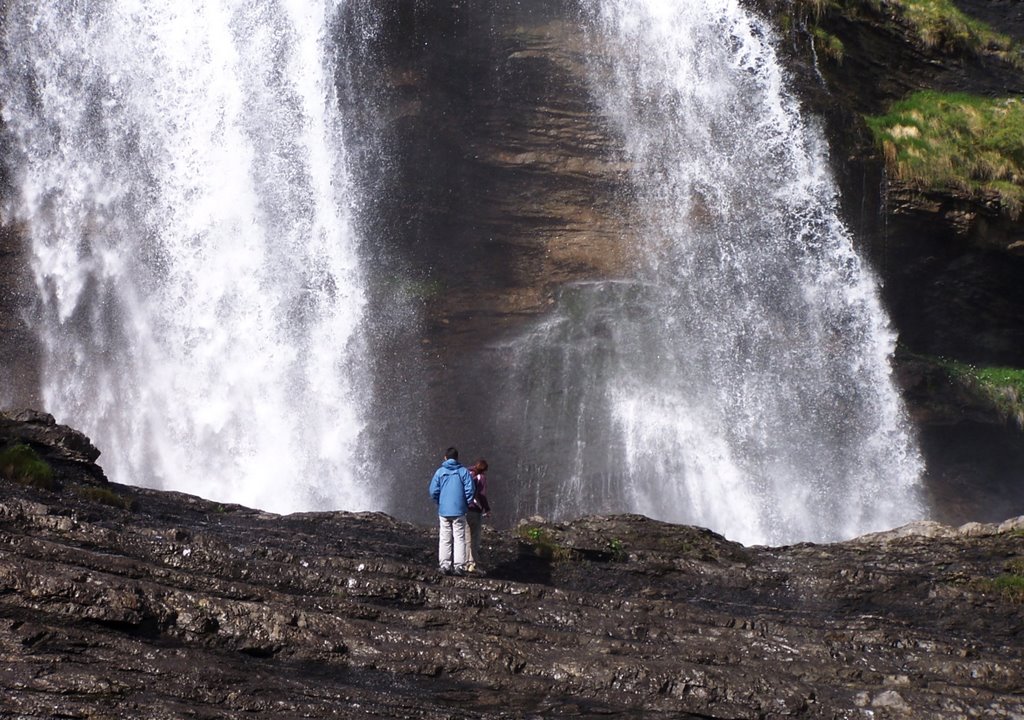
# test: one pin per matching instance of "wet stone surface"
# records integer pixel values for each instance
(145, 604)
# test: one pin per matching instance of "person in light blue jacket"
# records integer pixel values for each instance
(452, 489)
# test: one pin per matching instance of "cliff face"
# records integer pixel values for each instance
(123, 602)
(494, 176)
(494, 182)
(499, 182)
(949, 257)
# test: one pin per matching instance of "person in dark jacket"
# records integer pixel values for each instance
(452, 489)
(479, 508)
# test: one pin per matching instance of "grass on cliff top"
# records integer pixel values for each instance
(956, 140)
(941, 24)
(1001, 386)
(938, 24)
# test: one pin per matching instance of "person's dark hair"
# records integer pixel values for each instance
(480, 466)
(451, 454)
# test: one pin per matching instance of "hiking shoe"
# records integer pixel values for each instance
(446, 569)
(459, 571)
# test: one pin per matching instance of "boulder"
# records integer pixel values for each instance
(67, 450)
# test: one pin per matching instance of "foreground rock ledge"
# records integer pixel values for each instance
(131, 603)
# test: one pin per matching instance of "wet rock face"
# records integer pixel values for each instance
(494, 180)
(18, 346)
(956, 269)
(494, 175)
(179, 606)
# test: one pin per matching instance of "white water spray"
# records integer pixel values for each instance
(183, 181)
(739, 379)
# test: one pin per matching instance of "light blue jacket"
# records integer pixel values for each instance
(452, 489)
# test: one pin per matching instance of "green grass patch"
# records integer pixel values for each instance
(957, 140)
(105, 496)
(941, 24)
(544, 544)
(1011, 587)
(21, 464)
(617, 549)
(1002, 387)
(534, 534)
(937, 24)
(1002, 379)
(1009, 584)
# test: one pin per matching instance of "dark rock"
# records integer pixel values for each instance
(495, 180)
(183, 607)
(67, 450)
(18, 345)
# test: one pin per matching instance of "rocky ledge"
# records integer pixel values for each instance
(132, 603)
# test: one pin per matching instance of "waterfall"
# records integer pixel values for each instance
(738, 375)
(179, 170)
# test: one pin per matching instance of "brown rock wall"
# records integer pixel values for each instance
(499, 180)
(496, 181)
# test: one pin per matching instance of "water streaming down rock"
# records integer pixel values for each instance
(739, 377)
(183, 181)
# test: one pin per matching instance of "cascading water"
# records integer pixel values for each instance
(185, 190)
(739, 377)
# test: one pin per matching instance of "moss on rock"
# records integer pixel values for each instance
(21, 464)
(1002, 387)
(105, 496)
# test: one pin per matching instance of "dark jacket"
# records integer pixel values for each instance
(479, 503)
